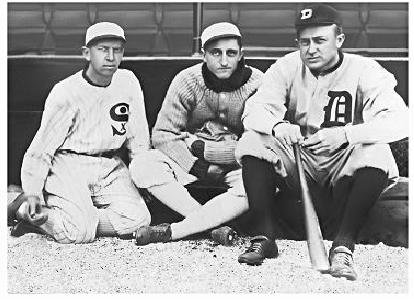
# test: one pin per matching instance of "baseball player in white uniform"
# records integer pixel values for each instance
(75, 186)
(343, 111)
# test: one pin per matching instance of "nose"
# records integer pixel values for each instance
(110, 55)
(312, 47)
(224, 60)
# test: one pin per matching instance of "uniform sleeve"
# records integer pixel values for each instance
(267, 106)
(170, 130)
(138, 133)
(57, 121)
(384, 113)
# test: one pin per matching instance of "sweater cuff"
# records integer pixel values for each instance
(199, 169)
(198, 148)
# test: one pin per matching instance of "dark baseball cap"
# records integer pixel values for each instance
(320, 14)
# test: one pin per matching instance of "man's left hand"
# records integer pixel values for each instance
(326, 141)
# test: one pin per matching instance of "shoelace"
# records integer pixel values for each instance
(256, 247)
(344, 258)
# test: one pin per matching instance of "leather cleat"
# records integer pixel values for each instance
(12, 209)
(260, 248)
(23, 227)
(224, 235)
(153, 234)
(342, 263)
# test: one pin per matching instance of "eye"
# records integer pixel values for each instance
(215, 52)
(118, 49)
(232, 53)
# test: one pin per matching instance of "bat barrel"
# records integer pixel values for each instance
(316, 247)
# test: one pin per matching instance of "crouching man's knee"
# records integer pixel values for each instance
(64, 229)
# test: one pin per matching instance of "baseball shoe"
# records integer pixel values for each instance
(24, 227)
(224, 235)
(153, 234)
(260, 248)
(342, 263)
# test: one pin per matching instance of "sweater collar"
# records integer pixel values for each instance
(239, 77)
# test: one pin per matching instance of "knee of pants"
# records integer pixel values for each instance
(127, 218)
(64, 229)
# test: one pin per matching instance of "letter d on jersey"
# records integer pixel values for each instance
(306, 13)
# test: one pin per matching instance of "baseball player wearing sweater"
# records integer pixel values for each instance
(343, 111)
(195, 137)
(75, 185)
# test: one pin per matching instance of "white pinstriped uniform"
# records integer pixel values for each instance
(87, 119)
(358, 95)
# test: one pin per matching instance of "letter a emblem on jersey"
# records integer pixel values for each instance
(305, 13)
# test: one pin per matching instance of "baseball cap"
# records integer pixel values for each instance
(321, 14)
(219, 30)
(103, 30)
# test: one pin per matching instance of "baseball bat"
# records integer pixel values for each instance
(316, 247)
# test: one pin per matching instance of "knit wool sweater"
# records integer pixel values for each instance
(189, 103)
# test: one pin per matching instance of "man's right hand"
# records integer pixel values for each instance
(216, 173)
(287, 132)
(31, 210)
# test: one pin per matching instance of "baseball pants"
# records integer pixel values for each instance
(90, 196)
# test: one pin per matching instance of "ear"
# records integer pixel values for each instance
(204, 54)
(241, 54)
(86, 52)
(340, 40)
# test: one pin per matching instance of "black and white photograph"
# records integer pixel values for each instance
(209, 147)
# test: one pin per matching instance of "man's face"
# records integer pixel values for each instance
(319, 46)
(104, 57)
(222, 56)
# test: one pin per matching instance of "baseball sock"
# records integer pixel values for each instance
(213, 213)
(175, 196)
(368, 183)
(259, 179)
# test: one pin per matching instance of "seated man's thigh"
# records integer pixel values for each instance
(154, 168)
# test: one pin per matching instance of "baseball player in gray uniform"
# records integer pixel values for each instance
(343, 111)
(75, 185)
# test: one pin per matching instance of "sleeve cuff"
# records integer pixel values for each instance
(199, 169)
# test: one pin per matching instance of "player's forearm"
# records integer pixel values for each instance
(386, 129)
(33, 174)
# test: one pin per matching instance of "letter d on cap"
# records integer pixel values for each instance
(306, 13)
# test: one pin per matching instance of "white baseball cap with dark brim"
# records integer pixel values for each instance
(219, 30)
(104, 30)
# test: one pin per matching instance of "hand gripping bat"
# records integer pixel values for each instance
(316, 247)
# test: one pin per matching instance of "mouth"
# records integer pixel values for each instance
(313, 59)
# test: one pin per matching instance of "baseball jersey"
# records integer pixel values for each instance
(359, 95)
(82, 118)
(189, 103)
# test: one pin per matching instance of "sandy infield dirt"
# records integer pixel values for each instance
(37, 264)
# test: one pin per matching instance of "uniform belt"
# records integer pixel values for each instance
(106, 154)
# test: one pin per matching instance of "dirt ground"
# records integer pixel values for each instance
(37, 264)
